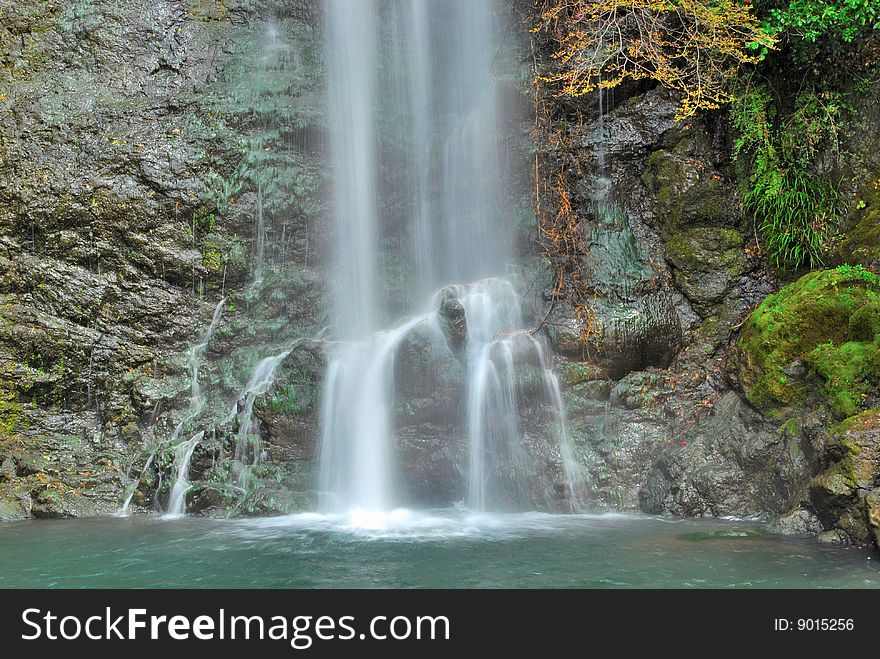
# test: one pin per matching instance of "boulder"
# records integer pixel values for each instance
(822, 326)
(707, 262)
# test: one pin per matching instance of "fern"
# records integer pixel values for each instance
(795, 210)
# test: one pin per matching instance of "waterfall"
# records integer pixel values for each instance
(196, 354)
(355, 452)
(418, 194)
(260, 252)
(352, 63)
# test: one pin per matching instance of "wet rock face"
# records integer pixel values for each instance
(453, 320)
(126, 210)
(430, 459)
(429, 379)
(707, 262)
(630, 324)
(687, 188)
(668, 280)
(731, 463)
(718, 394)
(289, 410)
(616, 435)
(845, 495)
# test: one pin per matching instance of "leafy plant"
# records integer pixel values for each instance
(811, 20)
(695, 47)
(796, 211)
(798, 216)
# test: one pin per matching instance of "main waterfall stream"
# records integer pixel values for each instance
(430, 65)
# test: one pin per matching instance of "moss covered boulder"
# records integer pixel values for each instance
(816, 337)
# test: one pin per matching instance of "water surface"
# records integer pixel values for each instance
(413, 550)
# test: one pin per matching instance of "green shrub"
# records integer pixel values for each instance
(796, 211)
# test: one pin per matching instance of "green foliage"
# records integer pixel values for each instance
(797, 212)
(812, 20)
(798, 217)
(213, 257)
(204, 220)
(287, 400)
(857, 272)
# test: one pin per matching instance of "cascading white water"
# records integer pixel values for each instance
(491, 306)
(196, 400)
(414, 131)
(356, 424)
(248, 449)
(183, 456)
(352, 64)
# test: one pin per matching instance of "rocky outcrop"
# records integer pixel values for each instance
(730, 463)
(722, 395)
(844, 495)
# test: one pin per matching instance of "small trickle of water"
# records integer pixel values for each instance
(248, 448)
(196, 400)
(182, 458)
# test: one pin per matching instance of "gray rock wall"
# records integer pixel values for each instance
(134, 140)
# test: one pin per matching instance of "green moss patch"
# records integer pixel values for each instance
(578, 372)
(705, 247)
(827, 320)
(684, 192)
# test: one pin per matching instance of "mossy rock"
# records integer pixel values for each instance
(862, 242)
(864, 324)
(578, 372)
(686, 191)
(837, 493)
(819, 326)
(707, 261)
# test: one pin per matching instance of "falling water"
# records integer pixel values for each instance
(499, 468)
(355, 417)
(574, 475)
(260, 252)
(182, 458)
(352, 62)
(196, 400)
(196, 354)
(248, 448)
(414, 117)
